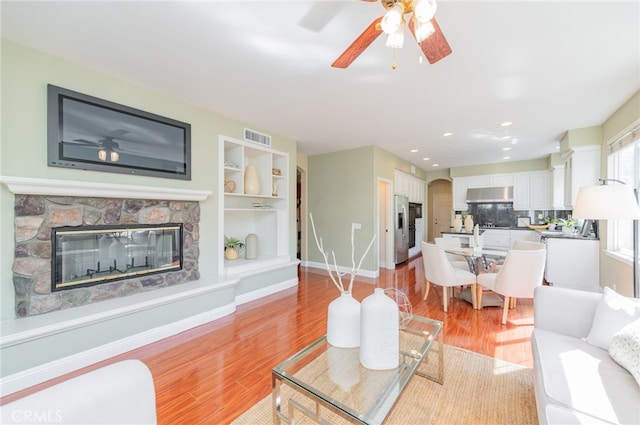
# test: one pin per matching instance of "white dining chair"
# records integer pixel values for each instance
(521, 273)
(439, 271)
(458, 261)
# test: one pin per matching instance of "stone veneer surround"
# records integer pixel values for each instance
(35, 215)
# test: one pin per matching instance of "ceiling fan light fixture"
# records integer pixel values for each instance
(424, 10)
(392, 20)
(102, 155)
(396, 40)
(114, 156)
(423, 30)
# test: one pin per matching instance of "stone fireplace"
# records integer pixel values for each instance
(154, 244)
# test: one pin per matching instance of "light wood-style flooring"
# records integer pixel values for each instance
(213, 373)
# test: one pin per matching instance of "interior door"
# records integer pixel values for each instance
(441, 219)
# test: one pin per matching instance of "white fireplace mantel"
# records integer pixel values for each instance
(49, 187)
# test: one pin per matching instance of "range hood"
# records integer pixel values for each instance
(490, 195)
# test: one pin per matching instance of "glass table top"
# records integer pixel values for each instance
(335, 378)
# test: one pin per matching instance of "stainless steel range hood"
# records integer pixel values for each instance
(490, 195)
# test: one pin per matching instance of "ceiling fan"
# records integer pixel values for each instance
(108, 148)
(422, 24)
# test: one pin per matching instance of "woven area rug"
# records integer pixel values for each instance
(477, 390)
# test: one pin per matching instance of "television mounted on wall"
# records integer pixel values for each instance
(89, 133)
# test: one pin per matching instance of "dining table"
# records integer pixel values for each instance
(480, 260)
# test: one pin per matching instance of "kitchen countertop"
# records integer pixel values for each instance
(561, 235)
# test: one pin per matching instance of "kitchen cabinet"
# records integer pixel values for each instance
(581, 168)
(503, 239)
(264, 213)
(531, 191)
(459, 193)
(408, 185)
(556, 186)
(573, 263)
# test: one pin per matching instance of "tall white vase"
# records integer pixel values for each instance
(457, 223)
(379, 332)
(251, 181)
(343, 322)
(468, 224)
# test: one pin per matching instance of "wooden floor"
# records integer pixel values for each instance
(213, 373)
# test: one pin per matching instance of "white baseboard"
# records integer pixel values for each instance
(45, 372)
(364, 273)
(259, 293)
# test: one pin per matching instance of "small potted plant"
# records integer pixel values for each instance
(232, 247)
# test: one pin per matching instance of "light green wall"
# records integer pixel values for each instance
(579, 137)
(23, 150)
(342, 190)
(500, 168)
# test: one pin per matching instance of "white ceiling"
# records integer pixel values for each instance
(547, 66)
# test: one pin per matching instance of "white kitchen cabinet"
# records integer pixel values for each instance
(556, 185)
(573, 263)
(408, 185)
(478, 181)
(264, 214)
(582, 168)
(459, 191)
(531, 191)
(523, 235)
(497, 239)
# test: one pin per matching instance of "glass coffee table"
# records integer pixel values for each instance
(325, 376)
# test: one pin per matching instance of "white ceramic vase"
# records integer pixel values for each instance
(251, 246)
(379, 332)
(251, 181)
(457, 223)
(343, 321)
(468, 224)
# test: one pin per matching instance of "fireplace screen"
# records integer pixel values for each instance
(90, 255)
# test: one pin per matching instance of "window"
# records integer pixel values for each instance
(624, 165)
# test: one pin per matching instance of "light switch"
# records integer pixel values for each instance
(356, 226)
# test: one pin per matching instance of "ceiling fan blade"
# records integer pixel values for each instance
(434, 47)
(319, 15)
(359, 45)
(85, 142)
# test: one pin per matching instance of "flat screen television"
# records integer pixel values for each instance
(89, 133)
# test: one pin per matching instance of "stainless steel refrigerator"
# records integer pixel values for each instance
(401, 229)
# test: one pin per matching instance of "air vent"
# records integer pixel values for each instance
(255, 137)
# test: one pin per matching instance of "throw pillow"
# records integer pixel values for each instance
(613, 312)
(625, 348)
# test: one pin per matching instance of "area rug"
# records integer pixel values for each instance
(477, 390)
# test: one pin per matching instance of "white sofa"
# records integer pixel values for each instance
(577, 382)
(118, 394)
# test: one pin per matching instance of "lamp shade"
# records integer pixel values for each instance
(606, 202)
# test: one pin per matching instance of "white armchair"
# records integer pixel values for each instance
(521, 273)
(439, 271)
(457, 261)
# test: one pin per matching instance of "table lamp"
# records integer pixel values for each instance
(611, 202)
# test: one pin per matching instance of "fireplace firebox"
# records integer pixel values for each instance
(91, 255)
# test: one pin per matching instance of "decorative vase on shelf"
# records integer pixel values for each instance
(251, 181)
(468, 224)
(457, 223)
(379, 332)
(251, 246)
(343, 321)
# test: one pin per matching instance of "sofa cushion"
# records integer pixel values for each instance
(581, 376)
(625, 348)
(613, 312)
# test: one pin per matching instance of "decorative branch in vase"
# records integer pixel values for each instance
(343, 320)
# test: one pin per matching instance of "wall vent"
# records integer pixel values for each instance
(256, 137)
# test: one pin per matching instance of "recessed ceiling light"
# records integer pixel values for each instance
(505, 124)
(447, 134)
(426, 158)
(506, 149)
(413, 150)
(435, 165)
(506, 157)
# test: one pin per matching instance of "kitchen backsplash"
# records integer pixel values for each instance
(503, 214)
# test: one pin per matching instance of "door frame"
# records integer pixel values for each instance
(385, 209)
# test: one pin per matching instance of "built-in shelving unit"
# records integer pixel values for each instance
(264, 214)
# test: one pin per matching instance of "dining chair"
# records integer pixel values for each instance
(458, 261)
(439, 271)
(520, 274)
